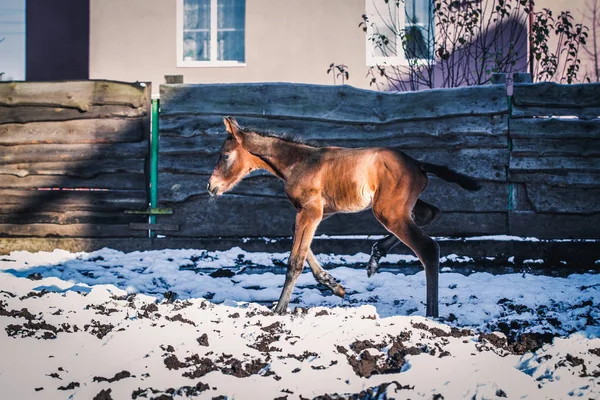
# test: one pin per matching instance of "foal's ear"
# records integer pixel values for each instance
(232, 127)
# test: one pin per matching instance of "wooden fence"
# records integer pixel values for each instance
(72, 158)
(464, 128)
(555, 161)
(539, 169)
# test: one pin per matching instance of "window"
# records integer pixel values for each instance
(399, 31)
(211, 33)
(12, 40)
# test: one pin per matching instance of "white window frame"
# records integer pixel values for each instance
(398, 60)
(213, 62)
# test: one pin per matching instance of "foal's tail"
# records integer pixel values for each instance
(447, 174)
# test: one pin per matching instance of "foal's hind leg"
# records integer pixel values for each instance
(423, 214)
(402, 225)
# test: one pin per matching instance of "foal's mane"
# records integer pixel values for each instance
(286, 137)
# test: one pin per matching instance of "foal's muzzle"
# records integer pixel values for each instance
(212, 190)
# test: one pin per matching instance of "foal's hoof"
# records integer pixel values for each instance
(279, 310)
(372, 267)
(339, 291)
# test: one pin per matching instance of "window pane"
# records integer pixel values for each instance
(418, 30)
(196, 46)
(383, 28)
(196, 30)
(12, 40)
(231, 19)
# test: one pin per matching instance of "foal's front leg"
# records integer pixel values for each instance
(307, 221)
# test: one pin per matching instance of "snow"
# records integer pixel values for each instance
(79, 317)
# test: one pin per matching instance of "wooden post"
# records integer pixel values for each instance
(522, 77)
(170, 79)
(498, 79)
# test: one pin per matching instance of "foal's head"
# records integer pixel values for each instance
(234, 163)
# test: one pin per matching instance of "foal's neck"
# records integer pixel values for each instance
(277, 155)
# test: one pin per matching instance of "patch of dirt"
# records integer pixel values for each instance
(301, 357)
(23, 313)
(377, 392)
(437, 332)
(179, 317)
(70, 386)
(366, 364)
(203, 340)
(103, 395)
(98, 329)
(118, 376)
(41, 293)
(31, 328)
(527, 342)
(198, 366)
(187, 391)
(101, 309)
(273, 334)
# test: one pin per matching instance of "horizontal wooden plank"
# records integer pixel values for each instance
(78, 169)
(230, 216)
(464, 131)
(447, 196)
(553, 226)
(330, 103)
(484, 164)
(583, 113)
(180, 187)
(556, 177)
(557, 95)
(76, 131)
(79, 95)
(71, 152)
(554, 128)
(14, 200)
(555, 147)
(75, 230)
(559, 165)
(117, 181)
(154, 227)
(456, 224)
(211, 144)
(71, 217)
(20, 115)
(546, 198)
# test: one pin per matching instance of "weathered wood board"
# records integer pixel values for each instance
(73, 157)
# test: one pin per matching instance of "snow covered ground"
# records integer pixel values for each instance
(156, 324)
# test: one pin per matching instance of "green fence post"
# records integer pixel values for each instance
(154, 162)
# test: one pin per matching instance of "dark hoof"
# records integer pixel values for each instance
(372, 267)
(339, 291)
(279, 310)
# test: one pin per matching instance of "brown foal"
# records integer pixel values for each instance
(321, 181)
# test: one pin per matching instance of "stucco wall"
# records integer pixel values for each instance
(286, 40)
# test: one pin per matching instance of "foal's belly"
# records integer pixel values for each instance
(348, 199)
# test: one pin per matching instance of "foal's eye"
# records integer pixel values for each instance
(225, 156)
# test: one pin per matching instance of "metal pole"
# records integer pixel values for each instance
(154, 162)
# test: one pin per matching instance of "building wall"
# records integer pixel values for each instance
(286, 40)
